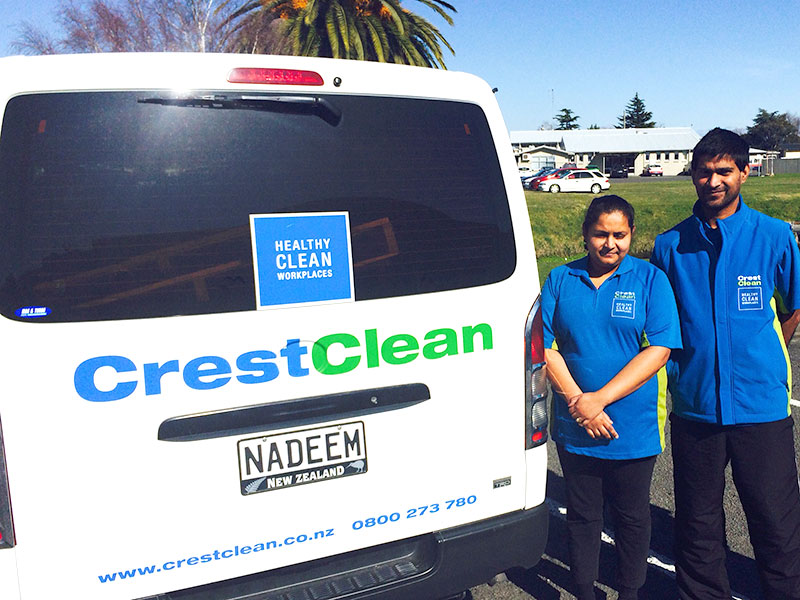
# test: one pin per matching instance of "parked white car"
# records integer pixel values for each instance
(581, 180)
(653, 171)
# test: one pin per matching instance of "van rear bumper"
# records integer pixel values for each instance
(425, 567)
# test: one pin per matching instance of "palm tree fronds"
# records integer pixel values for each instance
(379, 30)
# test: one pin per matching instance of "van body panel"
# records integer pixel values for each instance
(426, 454)
(429, 564)
(8, 575)
(104, 508)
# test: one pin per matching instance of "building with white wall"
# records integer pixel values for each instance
(791, 151)
(608, 149)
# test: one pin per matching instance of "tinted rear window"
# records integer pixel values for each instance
(114, 208)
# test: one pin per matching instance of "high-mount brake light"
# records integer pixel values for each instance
(275, 76)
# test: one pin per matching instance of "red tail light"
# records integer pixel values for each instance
(275, 76)
(537, 337)
(535, 380)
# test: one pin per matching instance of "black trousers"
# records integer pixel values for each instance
(765, 474)
(626, 486)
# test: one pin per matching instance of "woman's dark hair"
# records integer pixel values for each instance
(721, 142)
(605, 205)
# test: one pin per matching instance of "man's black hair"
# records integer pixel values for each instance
(605, 205)
(721, 142)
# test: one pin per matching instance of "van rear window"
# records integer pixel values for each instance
(121, 205)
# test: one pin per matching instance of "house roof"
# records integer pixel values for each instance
(611, 140)
(537, 149)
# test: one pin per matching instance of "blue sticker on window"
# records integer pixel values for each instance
(303, 258)
(32, 312)
(623, 308)
(750, 298)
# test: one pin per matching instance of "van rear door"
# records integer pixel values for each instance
(174, 416)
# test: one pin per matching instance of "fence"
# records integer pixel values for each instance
(785, 165)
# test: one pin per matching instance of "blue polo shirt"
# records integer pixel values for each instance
(598, 331)
(730, 283)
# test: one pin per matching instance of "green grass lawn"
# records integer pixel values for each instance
(659, 204)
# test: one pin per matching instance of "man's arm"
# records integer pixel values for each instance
(789, 323)
(787, 286)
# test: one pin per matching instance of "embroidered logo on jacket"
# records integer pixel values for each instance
(624, 305)
(750, 292)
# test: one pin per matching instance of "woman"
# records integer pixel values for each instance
(609, 324)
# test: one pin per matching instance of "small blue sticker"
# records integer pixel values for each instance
(32, 312)
(302, 258)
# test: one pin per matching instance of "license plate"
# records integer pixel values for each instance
(274, 462)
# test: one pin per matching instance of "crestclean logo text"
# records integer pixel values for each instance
(332, 354)
(748, 280)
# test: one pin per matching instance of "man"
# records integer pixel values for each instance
(736, 277)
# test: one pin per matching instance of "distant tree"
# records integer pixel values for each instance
(636, 115)
(147, 26)
(773, 130)
(567, 120)
(377, 30)
(594, 126)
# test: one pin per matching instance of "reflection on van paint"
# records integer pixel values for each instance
(332, 354)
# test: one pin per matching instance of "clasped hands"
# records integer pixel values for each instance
(588, 411)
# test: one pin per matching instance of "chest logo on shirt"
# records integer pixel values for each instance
(623, 305)
(750, 292)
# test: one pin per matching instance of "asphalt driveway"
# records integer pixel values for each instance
(550, 580)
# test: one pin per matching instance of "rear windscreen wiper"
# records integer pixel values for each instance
(297, 105)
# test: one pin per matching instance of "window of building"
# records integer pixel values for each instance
(540, 161)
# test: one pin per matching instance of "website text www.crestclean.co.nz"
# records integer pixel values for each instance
(213, 555)
(364, 523)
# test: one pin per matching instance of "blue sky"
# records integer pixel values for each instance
(694, 63)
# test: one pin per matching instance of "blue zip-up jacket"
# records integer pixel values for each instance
(734, 367)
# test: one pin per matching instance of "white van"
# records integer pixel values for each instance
(267, 331)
